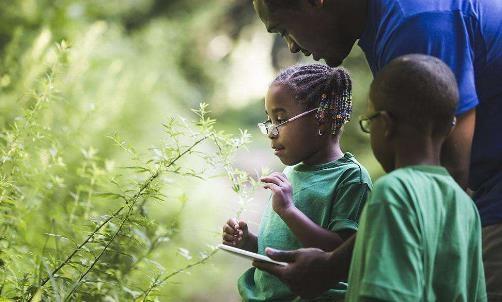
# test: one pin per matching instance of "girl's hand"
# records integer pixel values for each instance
(235, 233)
(282, 198)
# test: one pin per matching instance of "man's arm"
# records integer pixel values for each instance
(310, 272)
(456, 151)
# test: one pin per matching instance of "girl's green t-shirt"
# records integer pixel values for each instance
(332, 195)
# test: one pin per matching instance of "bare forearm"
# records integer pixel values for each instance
(341, 259)
(309, 233)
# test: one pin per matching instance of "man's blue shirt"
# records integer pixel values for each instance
(466, 35)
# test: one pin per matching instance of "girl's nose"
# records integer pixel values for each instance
(273, 133)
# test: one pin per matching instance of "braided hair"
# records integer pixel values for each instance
(317, 85)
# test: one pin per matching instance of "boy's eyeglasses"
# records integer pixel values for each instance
(268, 128)
(365, 121)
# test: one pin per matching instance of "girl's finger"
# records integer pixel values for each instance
(233, 222)
(271, 179)
(229, 238)
(243, 227)
(273, 187)
(229, 230)
(231, 243)
(280, 176)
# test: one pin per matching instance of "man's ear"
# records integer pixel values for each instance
(453, 125)
(316, 3)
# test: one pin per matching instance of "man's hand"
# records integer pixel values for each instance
(282, 196)
(310, 272)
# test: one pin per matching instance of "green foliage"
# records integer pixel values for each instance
(99, 257)
(77, 223)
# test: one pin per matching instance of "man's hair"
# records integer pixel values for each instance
(417, 89)
(317, 85)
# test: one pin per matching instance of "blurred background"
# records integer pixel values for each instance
(128, 66)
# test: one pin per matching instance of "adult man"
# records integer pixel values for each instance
(467, 36)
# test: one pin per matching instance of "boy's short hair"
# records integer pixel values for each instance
(275, 5)
(418, 89)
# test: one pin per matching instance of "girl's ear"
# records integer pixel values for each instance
(324, 128)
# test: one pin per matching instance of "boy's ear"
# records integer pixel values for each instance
(389, 125)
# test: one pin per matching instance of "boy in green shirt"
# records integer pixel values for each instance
(420, 234)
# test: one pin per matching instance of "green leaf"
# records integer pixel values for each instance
(109, 195)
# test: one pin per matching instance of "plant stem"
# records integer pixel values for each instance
(131, 202)
(67, 260)
(100, 254)
(157, 283)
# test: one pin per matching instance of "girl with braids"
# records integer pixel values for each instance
(316, 201)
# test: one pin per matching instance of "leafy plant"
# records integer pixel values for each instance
(82, 229)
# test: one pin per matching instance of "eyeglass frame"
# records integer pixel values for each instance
(273, 129)
(363, 119)
(366, 120)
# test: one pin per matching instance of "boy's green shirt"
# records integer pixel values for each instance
(332, 195)
(419, 240)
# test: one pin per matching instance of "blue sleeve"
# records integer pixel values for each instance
(442, 35)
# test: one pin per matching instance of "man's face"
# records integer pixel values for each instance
(309, 28)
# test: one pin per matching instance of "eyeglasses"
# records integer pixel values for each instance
(268, 128)
(365, 121)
